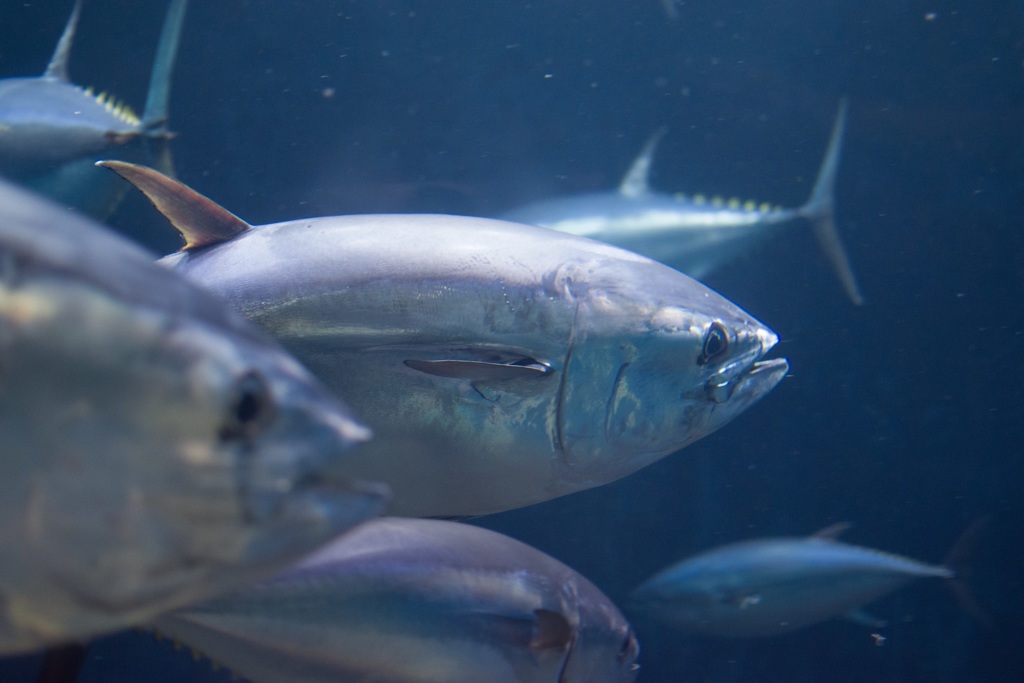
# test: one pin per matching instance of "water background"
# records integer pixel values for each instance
(904, 416)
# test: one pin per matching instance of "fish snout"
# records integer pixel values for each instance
(747, 374)
(283, 468)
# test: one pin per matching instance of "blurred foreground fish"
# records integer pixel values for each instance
(498, 364)
(52, 131)
(416, 601)
(156, 447)
(772, 586)
(694, 234)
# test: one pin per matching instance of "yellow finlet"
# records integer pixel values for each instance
(114, 106)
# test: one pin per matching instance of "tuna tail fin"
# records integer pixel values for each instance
(635, 182)
(958, 560)
(154, 117)
(58, 66)
(819, 210)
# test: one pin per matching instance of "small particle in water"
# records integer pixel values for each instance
(930, 16)
(879, 639)
(327, 93)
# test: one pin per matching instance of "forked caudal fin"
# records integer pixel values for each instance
(200, 221)
(819, 210)
(154, 117)
(958, 560)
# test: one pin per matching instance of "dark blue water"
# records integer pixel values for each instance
(904, 416)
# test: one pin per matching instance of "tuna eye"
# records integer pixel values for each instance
(250, 411)
(715, 343)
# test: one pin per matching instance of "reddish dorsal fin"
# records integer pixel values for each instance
(200, 221)
(832, 531)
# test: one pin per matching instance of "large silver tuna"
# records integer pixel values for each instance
(770, 586)
(695, 233)
(416, 601)
(51, 130)
(156, 447)
(498, 364)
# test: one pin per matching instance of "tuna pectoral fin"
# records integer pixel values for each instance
(199, 220)
(478, 371)
(819, 210)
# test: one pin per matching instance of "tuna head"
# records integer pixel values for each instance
(656, 361)
(605, 647)
(182, 450)
(157, 447)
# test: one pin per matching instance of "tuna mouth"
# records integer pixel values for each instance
(758, 379)
(316, 496)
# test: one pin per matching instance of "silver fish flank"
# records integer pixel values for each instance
(416, 601)
(157, 448)
(498, 364)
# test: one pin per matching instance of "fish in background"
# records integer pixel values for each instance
(695, 234)
(52, 131)
(772, 586)
(157, 448)
(416, 601)
(498, 364)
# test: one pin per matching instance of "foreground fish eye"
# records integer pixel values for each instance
(250, 411)
(716, 343)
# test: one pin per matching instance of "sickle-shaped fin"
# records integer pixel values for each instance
(635, 182)
(474, 370)
(58, 66)
(200, 221)
(155, 116)
(819, 210)
(832, 531)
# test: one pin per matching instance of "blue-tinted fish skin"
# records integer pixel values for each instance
(51, 130)
(157, 448)
(416, 601)
(772, 586)
(498, 364)
(48, 121)
(693, 233)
